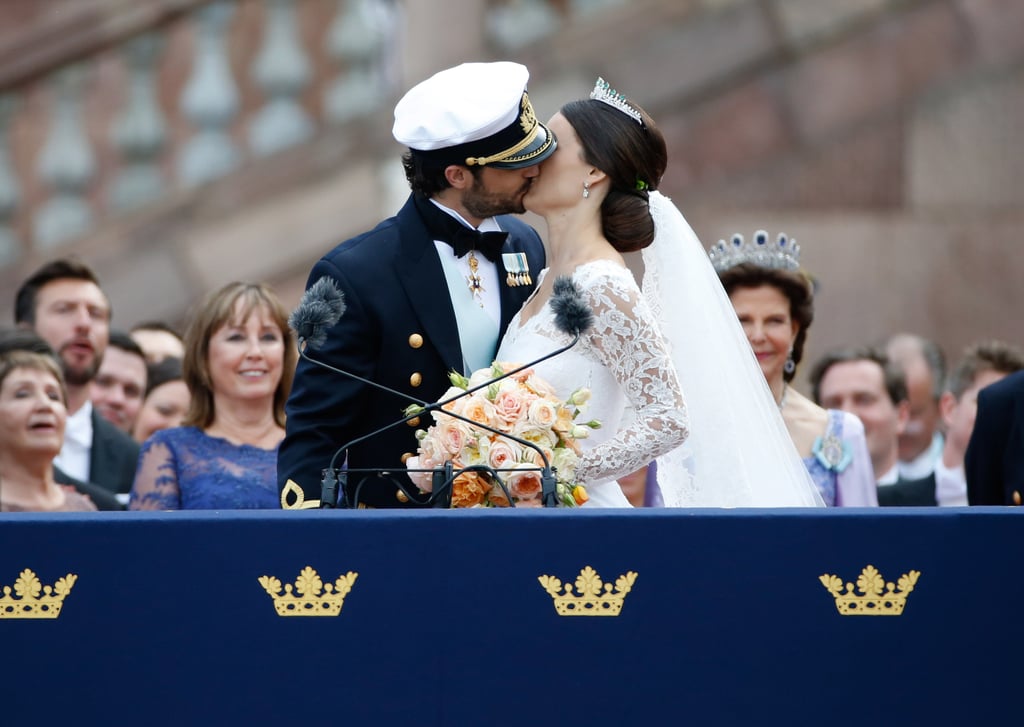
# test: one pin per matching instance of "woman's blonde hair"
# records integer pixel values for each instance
(30, 360)
(217, 310)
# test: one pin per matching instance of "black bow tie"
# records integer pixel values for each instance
(463, 239)
(488, 244)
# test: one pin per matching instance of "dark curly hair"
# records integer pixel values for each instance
(634, 157)
(795, 285)
(427, 179)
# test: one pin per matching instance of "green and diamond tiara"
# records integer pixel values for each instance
(605, 93)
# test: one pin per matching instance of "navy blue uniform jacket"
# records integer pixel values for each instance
(994, 464)
(395, 295)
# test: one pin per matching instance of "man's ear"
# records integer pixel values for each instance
(902, 416)
(458, 176)
(947, 404)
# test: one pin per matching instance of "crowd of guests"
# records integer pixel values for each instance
(98, 419)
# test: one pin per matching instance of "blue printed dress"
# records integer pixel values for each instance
(184, 468)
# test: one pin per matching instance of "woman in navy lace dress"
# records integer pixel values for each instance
(774, 300)
(239, 362)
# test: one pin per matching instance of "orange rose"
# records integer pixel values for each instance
(469, 489)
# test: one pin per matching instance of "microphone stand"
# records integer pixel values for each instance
(331, 483)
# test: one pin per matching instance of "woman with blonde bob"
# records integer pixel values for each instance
(239, 362)
(33, 413)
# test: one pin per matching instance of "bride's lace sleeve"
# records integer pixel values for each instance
(156, 479)
(626, 340)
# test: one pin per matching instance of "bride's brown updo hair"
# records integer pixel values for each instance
(633, 156)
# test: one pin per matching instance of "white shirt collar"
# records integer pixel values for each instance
(76, 451)
(950, 485)
(923, 464)
(79, 426)
(890, 478)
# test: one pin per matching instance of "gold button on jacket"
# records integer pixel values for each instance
(416, 379)
(415, 340)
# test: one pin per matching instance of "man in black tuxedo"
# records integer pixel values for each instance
(62, 303)
(994, 463)
(425, 293)
(864, 382)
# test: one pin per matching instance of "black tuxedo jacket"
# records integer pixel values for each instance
(113, 457)
(994, 464)
(399, 330)
(103, 499)
(908, 493)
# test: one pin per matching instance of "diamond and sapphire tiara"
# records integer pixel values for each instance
(783, 255)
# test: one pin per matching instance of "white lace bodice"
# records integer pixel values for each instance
(623, 360)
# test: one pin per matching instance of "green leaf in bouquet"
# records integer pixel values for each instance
(458, 380)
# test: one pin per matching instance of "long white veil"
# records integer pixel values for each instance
(739, 453)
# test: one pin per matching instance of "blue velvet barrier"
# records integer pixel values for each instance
(727, 622)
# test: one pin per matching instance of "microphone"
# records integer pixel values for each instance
(322, 306)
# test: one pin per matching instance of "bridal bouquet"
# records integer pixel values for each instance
(522, 405)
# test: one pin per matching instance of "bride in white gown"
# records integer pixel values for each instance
(670, 371)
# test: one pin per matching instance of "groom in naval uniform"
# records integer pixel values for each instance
(428, 291)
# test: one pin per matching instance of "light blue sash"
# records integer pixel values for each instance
(478, 332)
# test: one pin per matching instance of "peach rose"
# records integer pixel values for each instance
(539, 386)
(524, 482)
(455, 407)
(452, 435)
(422, 480)
(478, 409)
(529, 502)
(503, 453)
(496, 496)
(509, 405)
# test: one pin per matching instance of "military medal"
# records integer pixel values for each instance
(517, 269)
(473, 280)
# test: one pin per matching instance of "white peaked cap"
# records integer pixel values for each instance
(478, 111)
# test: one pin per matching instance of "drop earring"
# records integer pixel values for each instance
(790, 366)
(586, 190)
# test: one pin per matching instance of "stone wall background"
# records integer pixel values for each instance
(884, 135)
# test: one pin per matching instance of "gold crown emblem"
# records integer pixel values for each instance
(28, 603)
(876, 598)
(309, 596)
(595, 597)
